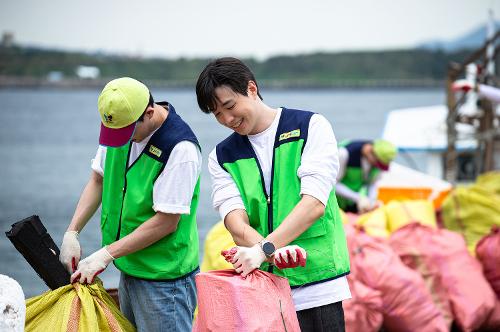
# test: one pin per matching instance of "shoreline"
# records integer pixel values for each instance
(7, 82)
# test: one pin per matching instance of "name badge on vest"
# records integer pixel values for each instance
(290, 134)
(154, 150)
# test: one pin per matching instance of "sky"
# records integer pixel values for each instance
(259, 28)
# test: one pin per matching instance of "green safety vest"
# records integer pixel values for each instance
(324, 241)
(354, 178)
(127, 202)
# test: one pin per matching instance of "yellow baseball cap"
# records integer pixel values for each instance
(385, 152)
(120, 104)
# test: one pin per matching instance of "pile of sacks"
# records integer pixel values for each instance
(407, 274)
(421, 279)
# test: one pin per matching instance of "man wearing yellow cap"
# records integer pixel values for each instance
(360, 163)
(146, 175)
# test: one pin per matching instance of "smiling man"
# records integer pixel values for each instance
(146, 174)
(273, 182)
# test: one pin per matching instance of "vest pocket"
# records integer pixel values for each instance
(107, 237)
(104, 219)
(317, 229)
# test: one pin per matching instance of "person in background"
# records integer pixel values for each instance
(486, 91)
(272, 182)
(146, 175)
(361, 163)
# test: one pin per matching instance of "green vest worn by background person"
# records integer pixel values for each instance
(127, 202)
(324, 241)
(354, 178)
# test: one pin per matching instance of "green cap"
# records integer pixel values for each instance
(384, 150)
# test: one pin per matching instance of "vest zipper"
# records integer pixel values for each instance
(268, 197)
(270, 204)
(123, 192)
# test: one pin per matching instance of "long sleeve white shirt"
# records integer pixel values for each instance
(317, 173)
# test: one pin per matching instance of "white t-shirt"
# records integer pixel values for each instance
(173, 189)
(317, 173)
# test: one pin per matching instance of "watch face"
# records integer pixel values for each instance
(268, 248)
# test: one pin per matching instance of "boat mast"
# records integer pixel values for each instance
(485, 121)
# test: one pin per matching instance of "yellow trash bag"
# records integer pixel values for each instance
(344, 217)
(490, 181)
(375, 223)
(473, 210)
(218, 239)
(401, 213)
(75, 308)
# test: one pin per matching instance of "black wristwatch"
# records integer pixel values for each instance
(268, 248)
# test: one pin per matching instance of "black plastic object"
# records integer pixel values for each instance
(31, 239)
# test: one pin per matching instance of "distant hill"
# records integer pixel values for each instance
(411, 67)
(471, 40)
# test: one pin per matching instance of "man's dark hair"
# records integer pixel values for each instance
(150, 103)
(229, 72)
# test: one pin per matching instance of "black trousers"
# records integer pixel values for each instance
(327, 318)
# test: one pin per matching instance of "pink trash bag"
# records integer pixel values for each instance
(260, 302)
(362, 313)
(443, 255)
(493, 322)
(416, 248)
(406, 303)
(488, 253)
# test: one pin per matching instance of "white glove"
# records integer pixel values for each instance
(91, 266)
(289, 257)
(248, 259)
(70, 251)
(364, 204)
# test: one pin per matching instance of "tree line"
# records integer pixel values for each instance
(315, 68)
